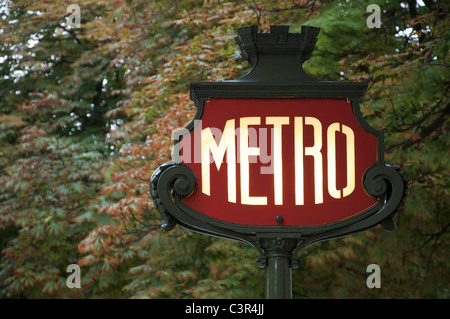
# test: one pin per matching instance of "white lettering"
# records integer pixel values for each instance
(248, 150)
(228, 144)
(277, 154)
(245, 152)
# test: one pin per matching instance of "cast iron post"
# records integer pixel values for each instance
(278, 253)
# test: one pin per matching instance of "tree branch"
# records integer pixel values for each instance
(424, 132)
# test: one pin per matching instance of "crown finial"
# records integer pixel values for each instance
(286, 51)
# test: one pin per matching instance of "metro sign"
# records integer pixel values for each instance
(277, 159)
(301, 160)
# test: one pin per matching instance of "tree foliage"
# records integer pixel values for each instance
(87, 115)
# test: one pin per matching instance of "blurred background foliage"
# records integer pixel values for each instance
(87, 114)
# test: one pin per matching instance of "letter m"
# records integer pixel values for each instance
(227, 143)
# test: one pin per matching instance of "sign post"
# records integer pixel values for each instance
(277, 159)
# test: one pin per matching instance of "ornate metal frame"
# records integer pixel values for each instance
(270, 52)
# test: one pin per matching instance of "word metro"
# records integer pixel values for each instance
(227, 145)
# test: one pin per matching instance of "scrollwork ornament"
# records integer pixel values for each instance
(167, 177)
(390, 183)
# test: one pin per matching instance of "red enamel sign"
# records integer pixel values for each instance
(299, 158)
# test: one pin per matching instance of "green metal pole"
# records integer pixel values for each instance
(278, 266)
(278, 278)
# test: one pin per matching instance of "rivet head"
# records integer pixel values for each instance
(279, 219)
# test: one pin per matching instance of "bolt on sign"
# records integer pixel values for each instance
(278, 160)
